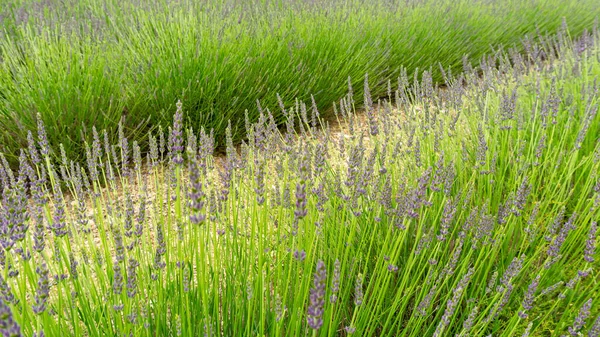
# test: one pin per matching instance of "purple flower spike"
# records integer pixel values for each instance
(196, 194)
(590, 244)
(132, 278)
(59, 226)
(8, 326)
(300, 255)
(595, 329)
(43, 289)
(32, 149)
(583, 314)
(447, 217)
(358, 291)
(317, 297)
(42, 138)
(529, 297)
(335, 283)
(453, 302)
(118, 279)
(177, 135)
(554, 248)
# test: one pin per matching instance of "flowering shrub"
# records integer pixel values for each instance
(86, 63)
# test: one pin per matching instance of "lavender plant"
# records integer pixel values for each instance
(97, 63)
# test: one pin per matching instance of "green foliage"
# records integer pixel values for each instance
(96, 62)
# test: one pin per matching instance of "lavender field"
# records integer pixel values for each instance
(464, 205)
(86, 63)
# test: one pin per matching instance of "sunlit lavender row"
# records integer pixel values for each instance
(467, 210)
(85, 63)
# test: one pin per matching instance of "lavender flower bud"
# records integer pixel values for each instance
(161, 248)
(482, 148)
(42, 138)
(176, 135)
(447, 217)
(107, 164)
(453, 302)
(280, 308)
(59, 226)
(43, 289)
(503, 302)
(527, 330)
(8, 326)
(521, 197)
(595, 329)
(192, 143)
(554, 248)
(117, 279)
(119, 248)
(551, 288)
(161, 141)
(335, 283)
(32, 149)
(485, 227)
(539, 151)
(317, 297)
(132, 278)
(14, 218)
(132, 318)
(137, 157)
(529, 297)
(301, 210)
(129, 211)
(468, 323)
(512, 271)
(417, 153)
(124, 145)
(373, 125)
(74, 264)
(40, 231)
(226, 177)
(426, 301)
(6, 294)
(556, 224)
(583, 314)
(358, 290)
(355, 159)
(186, 280)
(91, 162)
(141, 216)
(153, 149)
(259, 179)
(299, 255)
(590, 244)
(96, 145)
(6, 174)
(315, 113)
(449, 268)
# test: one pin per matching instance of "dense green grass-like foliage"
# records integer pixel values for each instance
(468, 211)
(93, 62)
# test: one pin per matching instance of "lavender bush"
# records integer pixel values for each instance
(86, 63)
